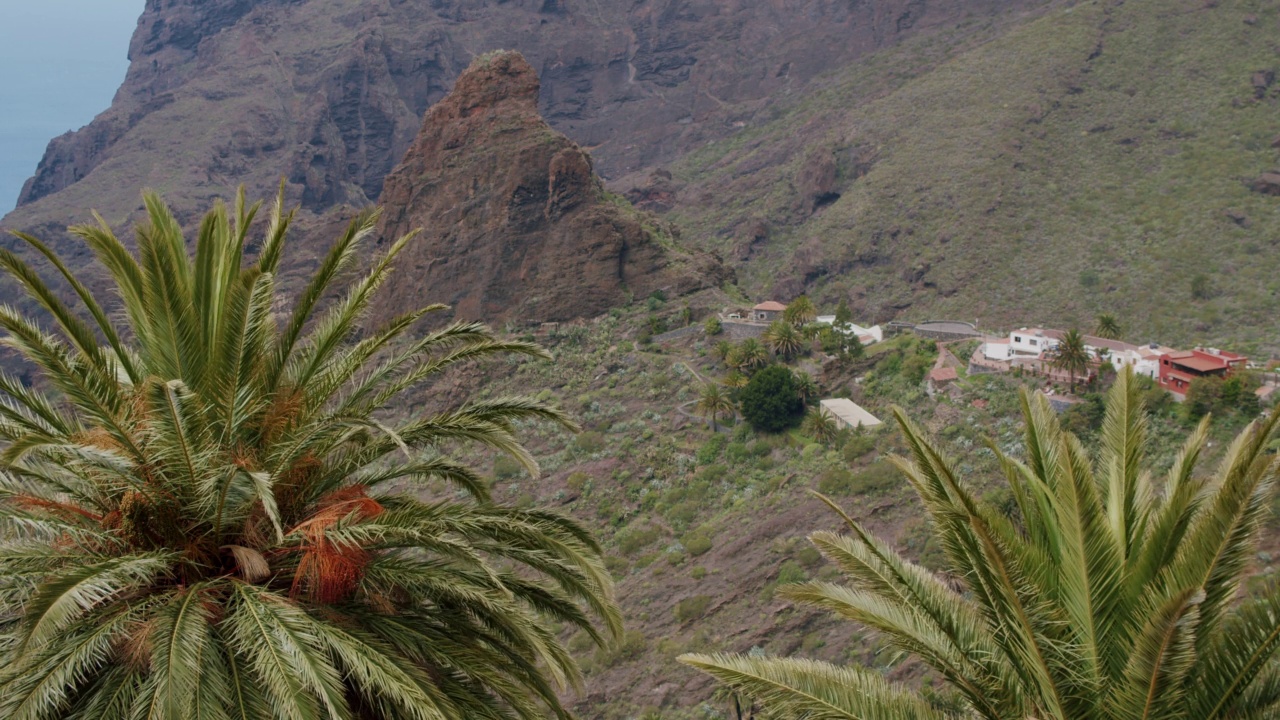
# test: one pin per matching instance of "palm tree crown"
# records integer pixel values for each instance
(1113, 596)
(713, 403)
(783, 338)
(210, 516)
(1108, 327)
(1072, 355)
(800, 311)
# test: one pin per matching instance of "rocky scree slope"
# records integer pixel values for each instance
(514, 223)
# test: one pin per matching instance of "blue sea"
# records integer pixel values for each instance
(61, 62)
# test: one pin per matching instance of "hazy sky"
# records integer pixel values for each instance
(61, 62)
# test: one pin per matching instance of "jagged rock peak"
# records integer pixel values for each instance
(501, 76)
(515, 223)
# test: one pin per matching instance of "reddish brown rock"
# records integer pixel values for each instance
(515, 224)
(1268, 183)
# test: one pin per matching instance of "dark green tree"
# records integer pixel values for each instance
(844, 315)
(771, 401)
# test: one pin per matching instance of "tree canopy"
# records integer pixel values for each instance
(771, 401)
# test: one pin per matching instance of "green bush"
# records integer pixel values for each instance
(711, 449)
(632, 646)
(857, 446)
(712, 474)
(760, 448)
(632, 540)
(736, 452)
(698, 573)
(835, 481)
(577, 481)
(790, 572)
(692, 608)
(591, 441)
(713, 326)
(770, 401)
(808, 556)
(878, 476)
(697, 544)
(684, 513)
(505, 467)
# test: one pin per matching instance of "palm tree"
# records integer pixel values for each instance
(212, 513)
(805, 386)
(1114, 596)
(1071, 355)
(712, 403)
(801, 311)
(751, 355)
(783, 338)
(734, 380)
(1108, 327)
(819, 425)
(722, 350)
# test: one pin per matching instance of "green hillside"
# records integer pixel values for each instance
(1096, 158)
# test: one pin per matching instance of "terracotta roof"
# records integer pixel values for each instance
(770, 306)
(1198, 363)
(943, 374)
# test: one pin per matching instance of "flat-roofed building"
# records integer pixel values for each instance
(849, 414)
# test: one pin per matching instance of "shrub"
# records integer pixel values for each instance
(713, 327)
(577, 481)
(808, 556)
(878, 476)
(698, 573)
(632, 646)
(790, 572)
(591, 441)
(692, 608)
(770, 401)
(835, 481)
(711, 449)
(857, 446)
(713, 473)
(736, 452)
(760, 448)
(697, 544)
(505, 468)
(632, 540)
(684, 513)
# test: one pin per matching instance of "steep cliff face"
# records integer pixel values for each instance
(329, 92)
(514, 223)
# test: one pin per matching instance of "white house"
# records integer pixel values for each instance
(1030, 342)
(998, 350)
(868, 335)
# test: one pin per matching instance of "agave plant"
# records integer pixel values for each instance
(207, 513)
(1114, 596)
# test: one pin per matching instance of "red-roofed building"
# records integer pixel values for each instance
(767, 311)
(1179, 369)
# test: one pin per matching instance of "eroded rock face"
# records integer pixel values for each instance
(515, 225)
(329, 92)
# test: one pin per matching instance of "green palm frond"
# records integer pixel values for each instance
(1114, 596)
(208, 513)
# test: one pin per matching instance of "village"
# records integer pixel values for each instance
(1059, 359)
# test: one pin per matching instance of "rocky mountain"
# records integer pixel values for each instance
(514, 223)
(329, 93)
